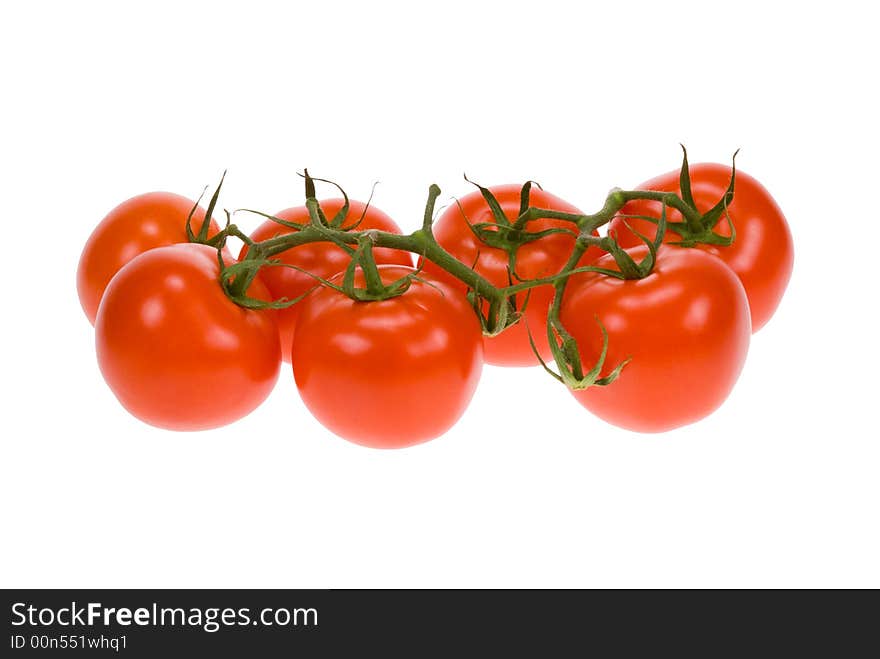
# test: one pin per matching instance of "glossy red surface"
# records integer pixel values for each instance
(392, 373)
(176, 352)
(685, 326)
(762, 256)
(139, 224)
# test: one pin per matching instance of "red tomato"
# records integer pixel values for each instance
(392, 373)
(175, 350)
(149, 220)
(321, 259)
(540, 258)
(685, 326)
(762, 253)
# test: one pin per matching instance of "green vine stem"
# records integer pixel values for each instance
(236, 278)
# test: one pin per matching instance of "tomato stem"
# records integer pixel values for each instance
(423, 243)
(500, 302)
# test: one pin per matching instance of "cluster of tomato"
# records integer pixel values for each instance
(179, 353)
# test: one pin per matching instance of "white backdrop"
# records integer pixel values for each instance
(102, 101)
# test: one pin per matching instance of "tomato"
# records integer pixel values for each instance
(686, 327)
(322, 259)
(540, 258)
(390, 373)
(149, 220)
(762, 254)
(176, 352)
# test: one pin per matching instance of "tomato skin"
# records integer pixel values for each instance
(177, 353)
(388, 374)
(540, 258)
(322, 259)
(686, 327)
(154, 219)
(762, 256)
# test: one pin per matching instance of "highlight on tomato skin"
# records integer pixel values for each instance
(762, 255)
(686, 328)
(322, 259)
(388, 374)
(541, 258)
(178, 353)
(146, 221)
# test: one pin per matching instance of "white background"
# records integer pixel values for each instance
(102, 101)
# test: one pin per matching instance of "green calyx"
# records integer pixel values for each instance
(202, 236)
(564, 347)
(699, 228)
(568, 360)
(374, 289)
(507, 235)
